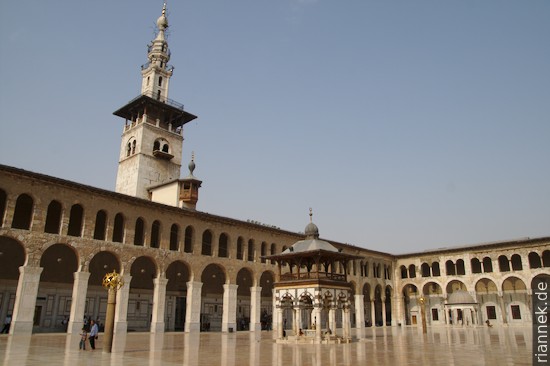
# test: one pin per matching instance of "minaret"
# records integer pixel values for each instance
(152, 139)
(189, 188)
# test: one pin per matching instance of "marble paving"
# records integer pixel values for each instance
(379, 346)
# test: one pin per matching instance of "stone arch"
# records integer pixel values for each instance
(534, 260)
(388, 301)
(178, 273)
(12, 256)
(206, 246)
(410, 295)
(487, 297)
(174, 237)
(139, 232)
(189, 239)
(100, 225)
(143, 270)
(266, 282)
(378, 293)
(54, 215)
(23, 212)
(102, 263)
(244, 281)
(156, 230)
(223, 245)
(516, 299)
(76, 220)
(454, 285)
(404, 272)
(434, 302)
(119, 228)
(59, 262)
(213, 277)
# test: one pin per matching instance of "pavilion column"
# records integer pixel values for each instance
(193, 307)
(229, 316)
(359, 311)
(25, 300)
(502, 308)
(347, 322)
(332, 319)
(279, 322)
(159, 304)
(297, 320)
(78, 302)
(318, 330)
(121, 307)
(255, 308)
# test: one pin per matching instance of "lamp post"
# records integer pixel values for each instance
(112, 282)
(422, 301)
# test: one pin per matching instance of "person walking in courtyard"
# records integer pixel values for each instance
(93, 333)
(7, 324)
(83, 337)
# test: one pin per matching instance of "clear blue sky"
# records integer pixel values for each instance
(405, 125)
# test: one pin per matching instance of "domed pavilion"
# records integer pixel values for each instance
(311, 292)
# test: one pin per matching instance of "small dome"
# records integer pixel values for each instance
(311, 230)
(460, 297)
(162, 22)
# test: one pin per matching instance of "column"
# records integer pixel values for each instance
(397, 309)
(229, 316)
(255, 308)
(347, 322)
(502, 308)
(193, 308)
(359, 311)
(332, 319)
(25, 300)
(278, 319)
(78, 302)
(121, 307)
(159, 304)
(297, 320)
(318, 330)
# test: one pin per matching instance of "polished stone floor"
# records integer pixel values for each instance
(379, 346)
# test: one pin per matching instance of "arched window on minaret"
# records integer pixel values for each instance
(128, 149)
(133, 147)
(156, 146)
(160, 80)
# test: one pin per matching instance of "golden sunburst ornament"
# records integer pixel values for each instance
(113, 280)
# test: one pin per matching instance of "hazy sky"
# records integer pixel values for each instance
(405, 125)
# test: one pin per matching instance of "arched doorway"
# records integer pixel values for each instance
(53, 301)
(96, 296)
(140, 302)
(244, 283)
(435, 303)
(177, 275)
(410, 302)
(266, 307)
(213, 278)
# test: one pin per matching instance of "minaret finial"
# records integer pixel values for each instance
(310, 215)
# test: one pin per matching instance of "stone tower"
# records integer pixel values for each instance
(152, 139)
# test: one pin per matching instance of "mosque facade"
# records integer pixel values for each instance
(187, 270)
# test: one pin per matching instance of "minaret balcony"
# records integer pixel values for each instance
(162, 155)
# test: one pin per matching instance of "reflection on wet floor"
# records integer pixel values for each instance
(379, 346)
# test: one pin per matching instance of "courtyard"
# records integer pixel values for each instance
(378, 346)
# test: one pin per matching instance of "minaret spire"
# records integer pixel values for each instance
(152, 139)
